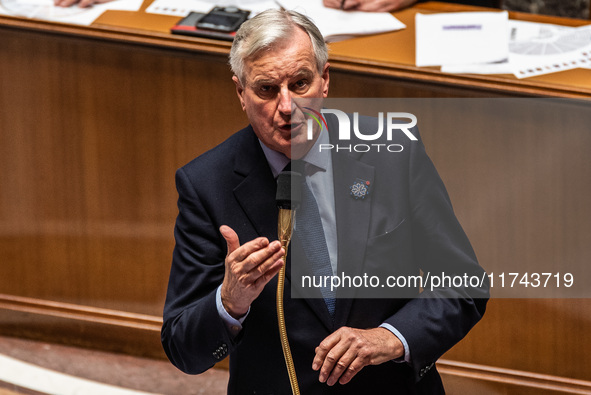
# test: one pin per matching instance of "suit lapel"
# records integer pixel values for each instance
(352, 221)
(256, 192)
(352, 216)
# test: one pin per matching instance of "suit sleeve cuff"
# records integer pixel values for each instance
(402, 339)
(233, 325)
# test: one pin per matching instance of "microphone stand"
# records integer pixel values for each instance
(287, 200)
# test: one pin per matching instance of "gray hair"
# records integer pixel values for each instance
(270, 27)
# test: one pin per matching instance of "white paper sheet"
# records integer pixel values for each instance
(460, 38)
(44, 9)
(336, 25)
(539, 48)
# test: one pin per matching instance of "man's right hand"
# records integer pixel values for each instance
(81, 3)
(369, 5)
(249, 267)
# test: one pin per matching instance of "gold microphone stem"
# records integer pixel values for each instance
(285, 227)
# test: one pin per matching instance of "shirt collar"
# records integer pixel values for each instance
(277, 161)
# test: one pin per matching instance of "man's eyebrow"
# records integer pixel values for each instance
(262, 80)
(304, 72)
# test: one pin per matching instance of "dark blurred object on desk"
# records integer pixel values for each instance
(572, 8)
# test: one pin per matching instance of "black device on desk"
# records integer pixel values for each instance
(220, 22)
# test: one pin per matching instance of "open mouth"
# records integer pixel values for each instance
(293, 127)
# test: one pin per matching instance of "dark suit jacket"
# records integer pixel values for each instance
(406, 224)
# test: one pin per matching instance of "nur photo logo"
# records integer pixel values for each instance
(388, 123)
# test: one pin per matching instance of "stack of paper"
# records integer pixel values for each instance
(537, 48)
(490, 43)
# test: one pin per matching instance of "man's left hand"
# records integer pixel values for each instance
(345, 352)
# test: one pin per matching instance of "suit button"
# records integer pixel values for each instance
(221, 351)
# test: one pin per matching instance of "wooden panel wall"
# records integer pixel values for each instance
(520, 181)
(91, 135)
(92, 131)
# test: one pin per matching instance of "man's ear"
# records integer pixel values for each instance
(239, 91)
(325, 79)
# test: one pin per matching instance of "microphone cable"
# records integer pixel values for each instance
(288, 199)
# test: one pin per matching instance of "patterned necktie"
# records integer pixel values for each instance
(311, 235)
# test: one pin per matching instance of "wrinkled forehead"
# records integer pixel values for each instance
(288, 37)
(295, 48)
(290, 41)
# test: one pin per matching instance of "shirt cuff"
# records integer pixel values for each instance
(402, 339)
(233, 325)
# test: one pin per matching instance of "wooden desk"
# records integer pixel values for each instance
(393, 55)
(387, 56)
(95, 120)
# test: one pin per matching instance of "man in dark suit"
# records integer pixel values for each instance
(222, 289)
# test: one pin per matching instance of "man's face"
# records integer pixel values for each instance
(271, 79)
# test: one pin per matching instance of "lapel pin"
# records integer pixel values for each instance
(359, 189)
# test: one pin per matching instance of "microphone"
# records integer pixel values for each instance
(289, 197)
(289, 189)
